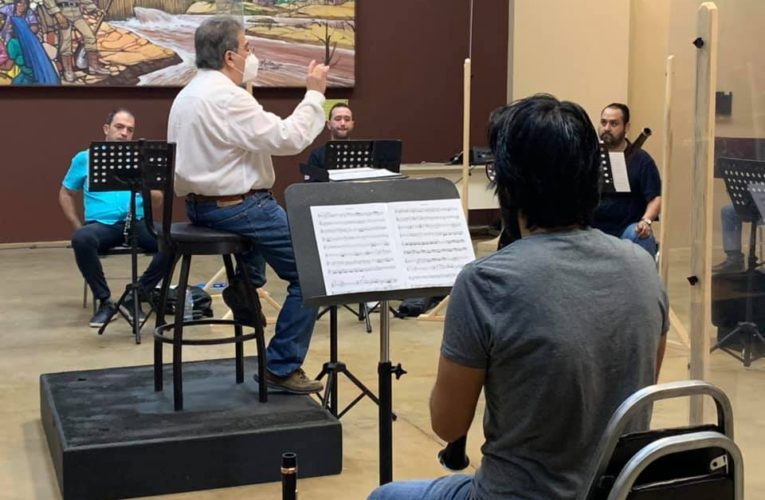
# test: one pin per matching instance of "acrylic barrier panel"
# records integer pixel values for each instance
(735, 247)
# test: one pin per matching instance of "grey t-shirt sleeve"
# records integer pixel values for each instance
(467, 329)
(664, 305)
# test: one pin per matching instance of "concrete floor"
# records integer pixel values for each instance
(43, 329)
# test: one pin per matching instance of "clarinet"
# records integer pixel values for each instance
(289, 476)
(453, 457)
(126, 230)
(634, 147)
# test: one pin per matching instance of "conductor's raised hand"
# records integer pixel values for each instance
(317, 77)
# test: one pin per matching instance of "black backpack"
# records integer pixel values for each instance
(202, 301)
(415, 306)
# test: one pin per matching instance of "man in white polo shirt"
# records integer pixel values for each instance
(225, 140)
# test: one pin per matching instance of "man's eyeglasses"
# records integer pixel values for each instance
(248, 47)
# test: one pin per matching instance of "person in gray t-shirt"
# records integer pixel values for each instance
(557, 328)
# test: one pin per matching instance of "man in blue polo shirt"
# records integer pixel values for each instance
(105, 223)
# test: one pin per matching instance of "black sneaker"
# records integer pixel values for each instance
(296, 382)
(729, 265)
(127, 309)
(104, 314)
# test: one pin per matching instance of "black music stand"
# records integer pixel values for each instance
(137, 166)
(334, 366)
(741, 177)
(378, 153)
(355, 154)
(299, 200)
(341, 155)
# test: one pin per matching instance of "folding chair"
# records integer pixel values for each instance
(699, 462)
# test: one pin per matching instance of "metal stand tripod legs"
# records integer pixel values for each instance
(747, 328)
(133, 289)
(334, 367)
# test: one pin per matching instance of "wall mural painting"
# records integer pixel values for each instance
(151, 42)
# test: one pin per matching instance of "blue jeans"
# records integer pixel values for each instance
(94, 238)
(731, 232)
(454, 487)
(648, 243)
(260, 218)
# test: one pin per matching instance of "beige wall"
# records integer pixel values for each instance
(742, 66)
(576, 51)
(649, 23)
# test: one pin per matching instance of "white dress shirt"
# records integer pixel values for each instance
(224, 138)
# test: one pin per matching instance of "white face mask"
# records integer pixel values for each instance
(251, 65)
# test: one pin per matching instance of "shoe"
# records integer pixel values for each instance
(295, 383)
(104, 314)
(235, 297)
(729, 265)
(127, 309)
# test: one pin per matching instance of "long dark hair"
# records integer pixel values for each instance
(546, 159)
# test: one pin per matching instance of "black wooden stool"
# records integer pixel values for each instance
(186, 240)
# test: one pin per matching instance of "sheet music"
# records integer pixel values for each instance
(391, 246)
(434, 241)
(757, 190)
(355, 174)
(356, 248)
(619, 172)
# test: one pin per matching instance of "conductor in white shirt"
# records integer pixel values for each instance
(225, 140)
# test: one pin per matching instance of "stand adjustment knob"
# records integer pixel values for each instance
(398, 371)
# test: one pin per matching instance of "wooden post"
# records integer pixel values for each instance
(437, 314)
(666, 172)
(666, 176)
(466, 137)
(701, 209)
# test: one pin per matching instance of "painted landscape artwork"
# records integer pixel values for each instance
(151, 42)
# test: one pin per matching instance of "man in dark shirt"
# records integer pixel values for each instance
(629, 215)
(340, 126)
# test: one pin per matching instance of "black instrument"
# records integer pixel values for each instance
(637, 145)
(289, 476)
(453, 457)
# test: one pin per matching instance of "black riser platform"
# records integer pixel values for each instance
(112, 436)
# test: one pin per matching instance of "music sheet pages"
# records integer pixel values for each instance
(391, 246)
(619, 172)
(362, 173)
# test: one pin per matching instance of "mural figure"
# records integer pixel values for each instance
(28, 53)
(20, 9)
(9, 70)
(68, 15)
(151, 42)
